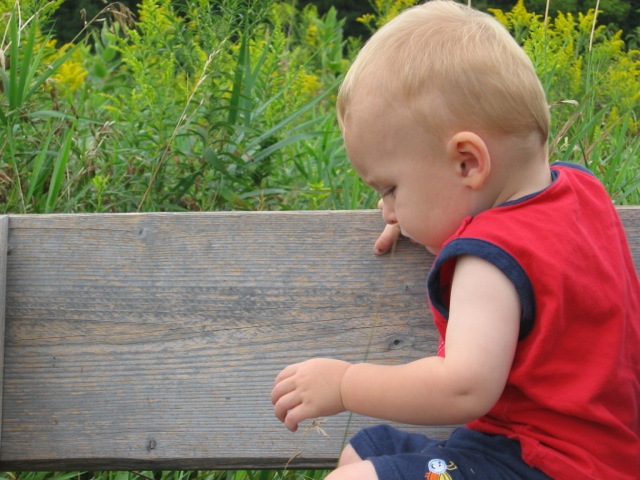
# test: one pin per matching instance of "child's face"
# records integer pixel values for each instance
(409, 168)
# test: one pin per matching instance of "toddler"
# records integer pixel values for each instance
(533, 289)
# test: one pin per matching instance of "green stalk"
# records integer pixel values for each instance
(59, 171)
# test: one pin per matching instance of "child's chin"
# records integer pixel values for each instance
(432, 250)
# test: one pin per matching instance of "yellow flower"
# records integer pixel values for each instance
(311, 35)
(310, 84)
(385, 11)
(70, 75)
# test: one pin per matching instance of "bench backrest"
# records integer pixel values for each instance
(151, 341)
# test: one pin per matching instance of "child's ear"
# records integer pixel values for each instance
(470, 157)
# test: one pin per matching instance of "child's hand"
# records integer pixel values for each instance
(308, 390)
(387, 239)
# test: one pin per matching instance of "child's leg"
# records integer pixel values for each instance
(382, 453)
(352, 467)
(348, 456)
(391, 454)
(354, 471)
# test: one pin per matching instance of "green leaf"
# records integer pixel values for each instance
(57, 176)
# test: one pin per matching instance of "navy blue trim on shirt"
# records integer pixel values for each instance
(575, 166)
(494, 255)
(554, 176)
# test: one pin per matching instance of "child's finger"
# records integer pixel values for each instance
(386, 240)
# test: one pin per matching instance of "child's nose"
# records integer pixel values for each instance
(389, 214)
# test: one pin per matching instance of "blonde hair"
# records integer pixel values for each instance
(455, 67)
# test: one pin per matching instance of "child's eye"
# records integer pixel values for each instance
(388, 191)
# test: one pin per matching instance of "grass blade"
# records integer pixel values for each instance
(58, 172)
(36, 181)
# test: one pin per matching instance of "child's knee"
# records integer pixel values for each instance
(358, 470)
(348, 456)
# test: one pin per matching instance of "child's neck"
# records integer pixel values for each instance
(529, 178)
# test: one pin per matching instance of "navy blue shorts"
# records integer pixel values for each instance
(398, 455)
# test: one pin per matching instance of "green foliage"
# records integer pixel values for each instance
(621, 14)
(201, 105)
(198, 105)
(244, 92)
(383, 12)
(591, 80)
(37, 136)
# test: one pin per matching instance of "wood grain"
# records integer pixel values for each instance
(154, 340)
(4, 232)
(630, 216)
(151, 341)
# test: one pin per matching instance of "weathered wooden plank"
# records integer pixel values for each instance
(153, 340)
(4, 231)
(630, 217)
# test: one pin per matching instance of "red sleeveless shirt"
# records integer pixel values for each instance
(572, 397)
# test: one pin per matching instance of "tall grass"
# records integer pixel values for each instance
(230, 105)
(591, 80)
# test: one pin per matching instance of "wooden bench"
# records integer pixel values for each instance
(151, 341)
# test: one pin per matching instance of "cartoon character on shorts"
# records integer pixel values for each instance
(438, 470)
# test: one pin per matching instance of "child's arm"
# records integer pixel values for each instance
(481, 339)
